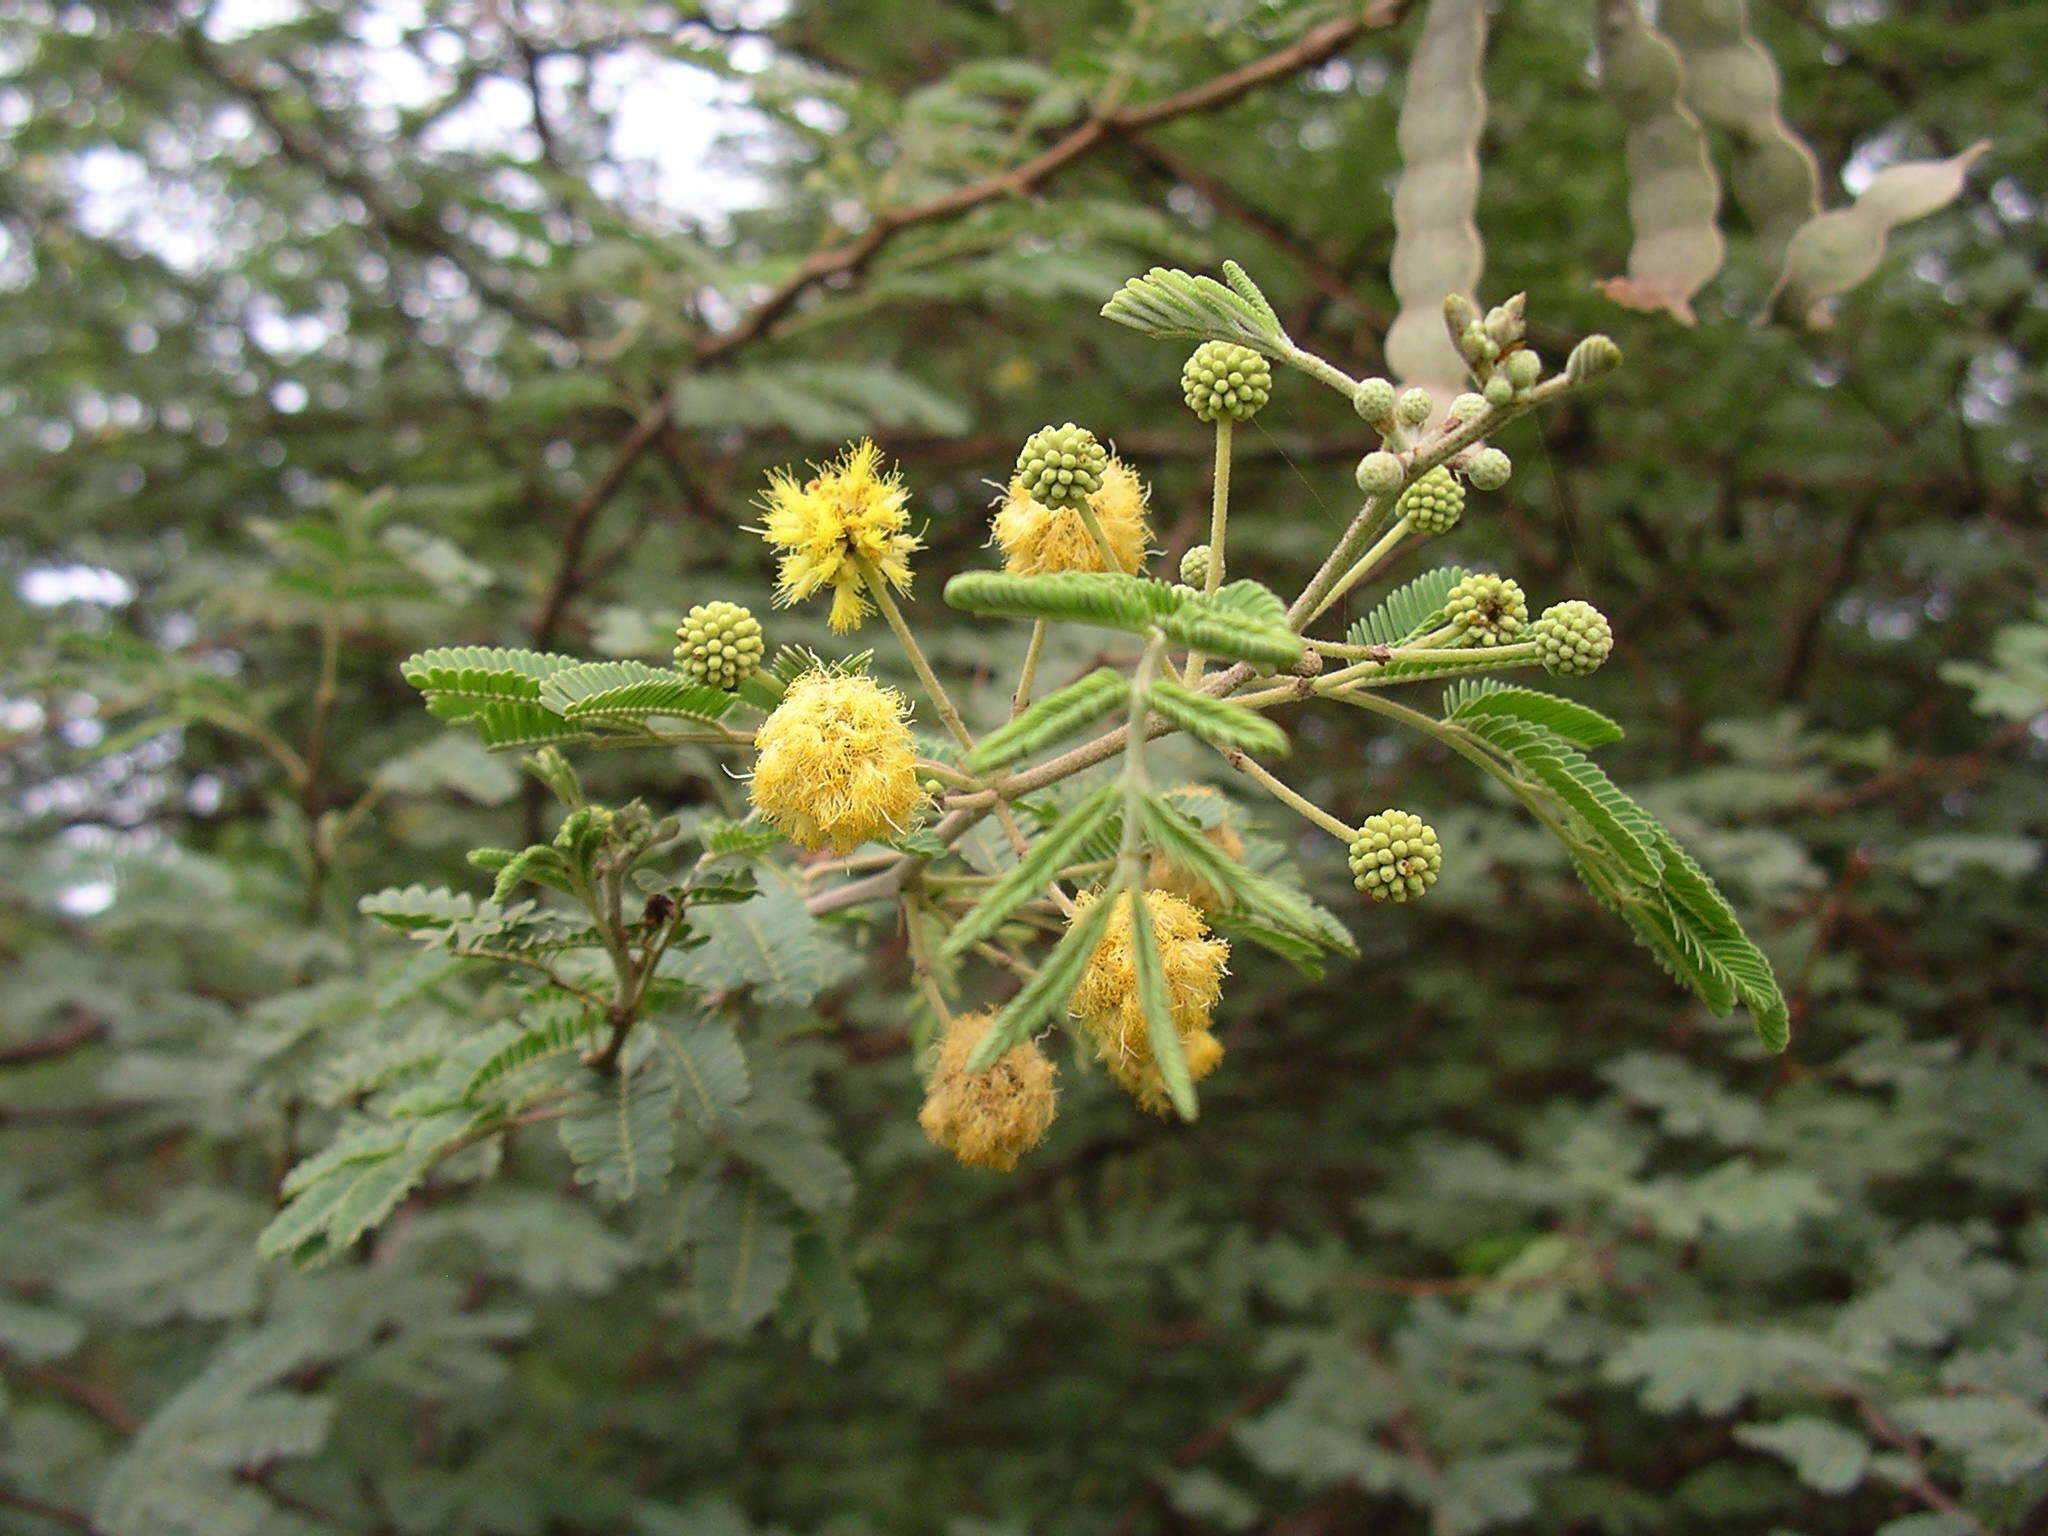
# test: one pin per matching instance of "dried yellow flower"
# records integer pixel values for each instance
(987, 1119)
(1036, 539)
(836, 763)
(1106, 1001)
(850, 510)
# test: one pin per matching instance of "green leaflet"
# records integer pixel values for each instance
(1260, 907)
(540, 863)
(1166, 303)
(1165, 1040)
(1406, 612)
(620, 1129)
(1032, 873)
(711, 1075)
(456, 679)
(627, 693)
(741, 1255)
(562, 1035)
(1622, 826)
(1217, 721)
(1244, 621)
(1476, 698)
(1053, 717)
(1046, 993)
(1079, 597)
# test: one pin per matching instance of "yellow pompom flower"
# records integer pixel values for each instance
(849, 511)
(1036, 539)
(1106, 1001)
(836, 763)
(987, 1119)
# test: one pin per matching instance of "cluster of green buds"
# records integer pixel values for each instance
(1493, 347)
(1062, 466)
(1572, 638)
(1395, 856)
(1487, 610)
(1224, 381)
(1434, 503)
(719, 645)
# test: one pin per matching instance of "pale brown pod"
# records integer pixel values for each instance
(1673, 193)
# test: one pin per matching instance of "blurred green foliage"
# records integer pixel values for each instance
(320, 340)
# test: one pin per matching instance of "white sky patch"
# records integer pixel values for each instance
(52, 586)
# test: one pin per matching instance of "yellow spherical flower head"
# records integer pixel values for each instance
(986, 1119)
(836, 763)
(848, 512)
(1036, 539)
(1106, 1001)
(1165, 875)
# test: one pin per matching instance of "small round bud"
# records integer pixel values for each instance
(1504, 322)
(1593, 358)
(1524, 368)
(1460, 313)
(1468, 407)
(1487, 610)
(1395, 856)
(1061, 466)
(1380, 474)
(718, 645)
(1476, 347)
(1194, 566)
(934, 789)
(1500, 390)
(1572, 638)
(1373, 399)
(1224, 381)
(1433, 503)
(1414, 407)
(1489, 469)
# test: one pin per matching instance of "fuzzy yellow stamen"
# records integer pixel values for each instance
(1106, 1001)
(1036, 539)
(987, 1119)
(836, 765)
(848, 512)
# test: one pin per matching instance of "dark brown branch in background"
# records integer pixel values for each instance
(83, 1029)
(850, 258)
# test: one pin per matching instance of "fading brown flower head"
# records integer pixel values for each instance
(987, 1119)
(1193, 964)
(1036, 539)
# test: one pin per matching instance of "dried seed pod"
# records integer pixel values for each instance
(1673, 193)
(1834, 252)
(1436, 243)
(1732, 83)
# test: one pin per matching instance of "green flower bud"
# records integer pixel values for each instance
(1460, 314)
(1373, 399)
(718, 645)
(1476, 347)
(1224, 381)
(1433, 503)
(1062, 466)
(1593, 358)
(1524, 368)
(1489, 469)
(1468, 407)
(1500, 390)
(1572, 638)
(1504, 322)
(1487, 610)
(1395, 856)
(1194, 566)
(1414, 407)
(1380, 474)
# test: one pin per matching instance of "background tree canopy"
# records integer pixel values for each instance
(335, 332)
